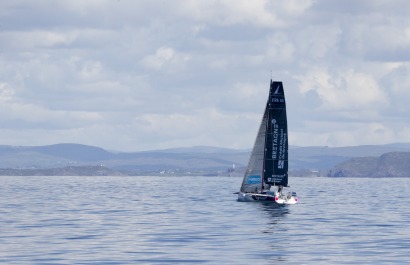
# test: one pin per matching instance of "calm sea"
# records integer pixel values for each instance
(197, 220)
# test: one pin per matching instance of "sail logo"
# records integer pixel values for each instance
(254, 179)
(275, 178)
(281, 164)
(275, 136)
(277, 90)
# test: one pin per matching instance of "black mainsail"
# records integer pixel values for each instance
(268, 164)
(276, 140)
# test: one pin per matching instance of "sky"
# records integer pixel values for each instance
(131, 75)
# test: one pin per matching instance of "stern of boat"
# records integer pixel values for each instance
(290, 198)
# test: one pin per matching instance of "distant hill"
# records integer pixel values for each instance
(194, 160)
(394, 164)
(77, 152)
(198, 160)
(325, 158)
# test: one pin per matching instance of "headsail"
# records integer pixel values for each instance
(253, 180)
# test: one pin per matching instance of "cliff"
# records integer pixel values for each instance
(393, 164)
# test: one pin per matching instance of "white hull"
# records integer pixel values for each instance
(276, 198)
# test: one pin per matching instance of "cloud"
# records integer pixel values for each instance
(137, 75)
(6, 94)
(231, 12)
(345, 90)
(165, 57)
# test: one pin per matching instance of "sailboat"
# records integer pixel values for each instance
(267, 171)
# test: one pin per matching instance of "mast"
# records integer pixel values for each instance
(266, 119)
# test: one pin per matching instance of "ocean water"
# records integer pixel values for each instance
(197, 220)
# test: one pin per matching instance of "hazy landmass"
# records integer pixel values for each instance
(62, 171)
(395, 164)
(390, 160)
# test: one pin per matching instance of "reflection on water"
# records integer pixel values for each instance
(275, 228)
(276, 213)
(276, 209)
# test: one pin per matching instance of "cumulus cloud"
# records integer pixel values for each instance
(181, 73)
(165, 57)
(345, 90)
(258, 13)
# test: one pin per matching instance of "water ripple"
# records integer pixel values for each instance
(186, 220)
